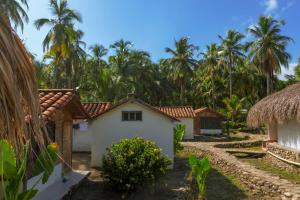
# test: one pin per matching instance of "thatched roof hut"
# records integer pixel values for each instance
(279, 107)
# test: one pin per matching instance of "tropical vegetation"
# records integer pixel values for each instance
(13, 171)
(190, 75)
(233, 66)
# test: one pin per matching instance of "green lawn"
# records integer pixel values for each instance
(263, 164)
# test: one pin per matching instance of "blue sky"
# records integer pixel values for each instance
(153, 25)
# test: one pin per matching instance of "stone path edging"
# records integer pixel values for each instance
(257, 180)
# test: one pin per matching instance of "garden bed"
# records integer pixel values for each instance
(173, 186)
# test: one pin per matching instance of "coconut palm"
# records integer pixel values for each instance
(98, 51)
(211, 60)
(18, 91)
(119, 61)
(181, 64)
(61, 35)
(13, 12)
(268, 50)
(231, 51)
(76, 62)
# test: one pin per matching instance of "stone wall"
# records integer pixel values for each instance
(243, 144)
(286, 153)
(260, 183)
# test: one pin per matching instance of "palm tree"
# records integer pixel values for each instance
(97, 62)
(211, 60)
(268, 50)
(120, 60)
(77, 60)
(181, 63)
(13, 12)
(61, 35)
(231, 51)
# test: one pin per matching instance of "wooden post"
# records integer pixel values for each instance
(67, 141)
(59, 121)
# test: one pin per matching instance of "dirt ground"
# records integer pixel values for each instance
(169, 187)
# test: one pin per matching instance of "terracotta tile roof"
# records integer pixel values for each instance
(178, 111)
(52, 100)
(205, 109)
(97, 108)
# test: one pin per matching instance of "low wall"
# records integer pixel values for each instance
(54, 177)
(286, 153)
(242, 144)
(259, 182)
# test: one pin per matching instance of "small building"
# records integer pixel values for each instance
(129, 118)
(186, 116)
(59, 107)
(280, 113)
(207, 121)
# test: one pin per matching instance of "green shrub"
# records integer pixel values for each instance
(200, 169)
(133, 162)
(179, 132)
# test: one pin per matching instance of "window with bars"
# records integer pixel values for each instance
(132, 116)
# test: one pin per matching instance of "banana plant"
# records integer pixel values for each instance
(200, 169)
(179, 132)
(13, 170)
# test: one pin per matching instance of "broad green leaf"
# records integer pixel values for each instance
(7, 159)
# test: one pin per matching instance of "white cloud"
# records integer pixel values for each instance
(289, 71)
(271, 5)
(287, 6)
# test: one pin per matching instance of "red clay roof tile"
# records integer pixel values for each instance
(52, 100)
(178, 111)
(96, 109)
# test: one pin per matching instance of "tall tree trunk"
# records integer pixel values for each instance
(230, 78)
(181, 93)
(213, 90)
(268, 83)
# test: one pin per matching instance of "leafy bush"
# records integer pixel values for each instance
(13, 174)
(179, 132)
(200, 169)
(133, 162)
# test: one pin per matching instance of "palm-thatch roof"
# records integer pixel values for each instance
(279, 107)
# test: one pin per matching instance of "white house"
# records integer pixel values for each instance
(129, 118)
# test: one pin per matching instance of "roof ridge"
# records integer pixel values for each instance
(96, 102)
(56, 90)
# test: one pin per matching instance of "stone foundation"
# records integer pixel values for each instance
(286, 153)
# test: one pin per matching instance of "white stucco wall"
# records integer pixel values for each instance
(110, 128)
(82, 139)
(289, 134)
(55, 176)
(189, 122)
